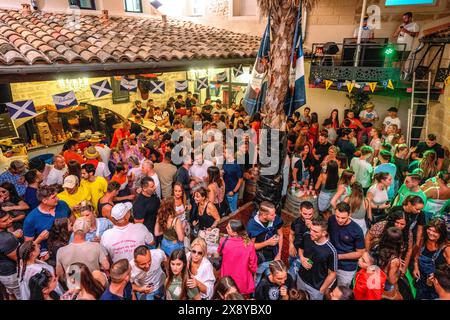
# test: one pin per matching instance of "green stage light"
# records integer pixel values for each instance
(389, 51)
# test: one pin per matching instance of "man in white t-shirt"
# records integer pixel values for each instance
(362, 168)
(406, 33)
(392, 118)
(57, 172)
(148, 170)
(199, 170)
(124, 237)
(147, 274)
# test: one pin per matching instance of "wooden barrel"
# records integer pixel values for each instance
(293, 202)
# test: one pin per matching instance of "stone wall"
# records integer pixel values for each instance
(217, 8)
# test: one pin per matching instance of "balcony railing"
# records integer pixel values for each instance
(378, 60)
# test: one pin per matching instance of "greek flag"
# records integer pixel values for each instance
(101, 88)
(21, 109)
(65, 100)
(157, 87)
(256, 89)
(296, 94)
(128, 85)
(181, 86)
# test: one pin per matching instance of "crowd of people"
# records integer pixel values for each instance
(117, 219)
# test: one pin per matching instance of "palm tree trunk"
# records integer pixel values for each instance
(282, 29)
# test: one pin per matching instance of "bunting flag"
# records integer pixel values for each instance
(384, 83)
(339, 85)
(65, 100)
(362, 86)
(296, 94)
(128, 85)
(317, 81)
(222, 77)
(255, 92)
(390, 85)
(202, 83)
(350, 86)
(372, 86)
(101, 88)
(238, 71)
(447, 81)
(328, 84)
(181, 86)
(156, 87)
(21, 109)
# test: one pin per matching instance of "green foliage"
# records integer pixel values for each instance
(358, 100)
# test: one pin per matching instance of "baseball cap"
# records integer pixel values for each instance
(70, 182)
(82, 224)
(18, 165)
(392, 109)
(120, 210)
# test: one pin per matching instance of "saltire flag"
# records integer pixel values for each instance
(372, 86)
(202, 83)
(65, 100)
(296, 94)
(222, 77)
(128, 85)
(101, 88)
(256, 89)
(328, 84)
(21, 109)
(181, 86)
(156, 87)
(238, 71)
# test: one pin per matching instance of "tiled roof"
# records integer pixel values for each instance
(51, 39)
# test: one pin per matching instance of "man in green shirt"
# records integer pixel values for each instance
(411, 187)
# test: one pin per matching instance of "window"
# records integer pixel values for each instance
(133, 6)
(83, 4)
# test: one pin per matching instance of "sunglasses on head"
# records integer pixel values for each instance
(197, 252)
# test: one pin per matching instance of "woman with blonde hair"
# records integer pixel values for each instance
(428, 165)
(98, 225)
(201, 271)
(359, 205)
(169, 226)
(239, 259)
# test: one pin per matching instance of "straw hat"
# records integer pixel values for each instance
(369, 105)
(91, 153)
(94, 139)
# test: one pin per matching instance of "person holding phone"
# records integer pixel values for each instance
(405, 34)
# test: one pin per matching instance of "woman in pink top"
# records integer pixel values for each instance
(239, 259)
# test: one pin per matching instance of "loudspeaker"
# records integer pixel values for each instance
(330, 48)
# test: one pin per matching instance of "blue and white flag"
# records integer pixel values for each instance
(128, 85)
(156, 87)
(222, 77)
(101, 88)
(21, 109)
(296, 94)
(238, 71)
(65, 100)
(202, 83)
(181, 86)
(256, 89)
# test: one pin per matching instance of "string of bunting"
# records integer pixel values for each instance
(26, 108)
(361, 86)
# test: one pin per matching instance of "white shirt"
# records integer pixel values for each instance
(205, 274)
(30, 271)
(102, 170)
(157, 184)
(105, 153)
(55, 176)
(368, 115)
(405, 38)
(367, 32)
(120, 242)
(200, 171)
(155, 275)
(363, 171)
(388, 121)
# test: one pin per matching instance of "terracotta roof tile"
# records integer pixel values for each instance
(52, 38)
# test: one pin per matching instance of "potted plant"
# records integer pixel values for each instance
(358, 100)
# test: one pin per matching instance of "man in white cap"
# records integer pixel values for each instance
(124, 237)
(92, 254)
(74, 194)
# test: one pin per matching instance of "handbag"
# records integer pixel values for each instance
(216, 261)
